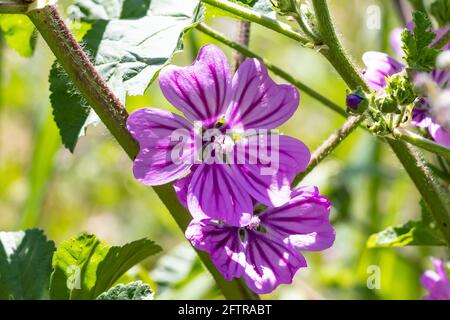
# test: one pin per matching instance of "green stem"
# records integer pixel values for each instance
(336, 53)
(329, 146)
(113, 114)
(253, 16)
(434, 195)
(82, 72)
(424, 143)
(13, 6)
(303, 25)
(276, 70)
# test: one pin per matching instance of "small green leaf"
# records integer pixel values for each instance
(25, 264)
(413, 233)
(131, 291)
(416, 44)
(71, 112)
(19, 33)
(85, 267)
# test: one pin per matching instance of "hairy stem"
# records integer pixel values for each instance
(113, 114)
(434, 195)
(253, 16)
(336, 53)
(276, 70)
(303, 25)
(243, 38)
(422, 142)
(329, 146)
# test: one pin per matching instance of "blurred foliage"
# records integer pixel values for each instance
(93, 190)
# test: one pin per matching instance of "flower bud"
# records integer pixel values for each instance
(387, 104)
(353, 101)
(357, 101)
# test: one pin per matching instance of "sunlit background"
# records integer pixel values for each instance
(43, 185)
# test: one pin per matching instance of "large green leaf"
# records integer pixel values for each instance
(25, 264)
(85, 267)
(413, 233)
(129, 42)
(131, 291)
(19, 33)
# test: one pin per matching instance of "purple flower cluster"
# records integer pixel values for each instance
(436, 282)
(226, 159)
(379, 66)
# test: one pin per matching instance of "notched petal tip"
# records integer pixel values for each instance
(202, 90)
(257, 101)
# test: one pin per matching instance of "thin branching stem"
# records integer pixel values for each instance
(243, 38)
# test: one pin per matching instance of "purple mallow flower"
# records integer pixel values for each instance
(209, 97)
(436, 282)
(265, 251)
(380, 66)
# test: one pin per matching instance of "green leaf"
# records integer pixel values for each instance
(416, 44)
(131, 291)
(85, 267)
(413, 233)
(129, 42)
(25, 264)
(19, 33)
(71, 112)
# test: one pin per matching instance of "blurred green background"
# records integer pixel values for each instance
(43, 185)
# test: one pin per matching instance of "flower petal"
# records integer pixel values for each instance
(166, 146)
(395, 40)
(202, 90)
(222, 243)
(258, 102)
(303, 222)
(214, 193)
(269, 263)
(181, 187)
(266, 165)
(439, 134)
(429, 279)
(379, 66)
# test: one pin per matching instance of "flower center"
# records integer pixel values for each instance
(226, 143)
(254, 224)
